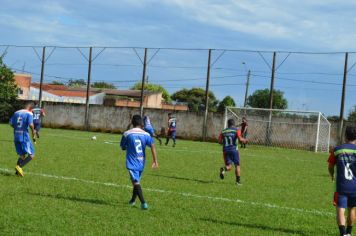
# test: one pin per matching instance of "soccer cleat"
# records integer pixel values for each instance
(19, 171)
(144, 206)
(238, 184)
(174, 145)
(132, 203)
(222, 173)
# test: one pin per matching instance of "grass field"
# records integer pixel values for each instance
(78, 186)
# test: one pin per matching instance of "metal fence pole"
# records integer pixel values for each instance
(143, 81)
(207, 97)
(87, 104)
(269, 126)
(341, 119)
(43, 61)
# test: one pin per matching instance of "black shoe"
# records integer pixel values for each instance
(222, 173)
(174, 145)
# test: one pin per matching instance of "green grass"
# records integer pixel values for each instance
(284, 192)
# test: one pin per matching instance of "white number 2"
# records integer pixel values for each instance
(348, 172)
(138, 146)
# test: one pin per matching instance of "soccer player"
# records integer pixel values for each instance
(134, 141)
(172, 125)
(244, 126)
(21, 121)
(38, 113)
(344, 158)
(228, 138)
(147, 126)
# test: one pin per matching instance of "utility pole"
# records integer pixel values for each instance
(269, 127)
(207, 96)
(143, 81)
(341, 125)
(247, 85)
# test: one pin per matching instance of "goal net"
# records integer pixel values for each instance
(305, 130)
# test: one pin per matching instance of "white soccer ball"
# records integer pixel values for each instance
(93, 138)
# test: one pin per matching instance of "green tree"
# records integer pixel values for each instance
(260, 99)
(77, 83)
(195, 98)
(154, 88)
(226, 102)
(352, 115)
(8, 92)
(55, 82)
(103, 85)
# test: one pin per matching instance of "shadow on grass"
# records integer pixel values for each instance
(183, 178)
(6, 173)
(6, 140)
(255, 226)
(73, 198)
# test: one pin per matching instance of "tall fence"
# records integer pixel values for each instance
(310, 80)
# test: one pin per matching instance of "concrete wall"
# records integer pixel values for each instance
(189, 124)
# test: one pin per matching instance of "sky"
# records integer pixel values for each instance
(309, 81)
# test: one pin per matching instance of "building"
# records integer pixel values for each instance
(108, 97)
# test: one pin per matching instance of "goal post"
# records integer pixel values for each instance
(307, 130)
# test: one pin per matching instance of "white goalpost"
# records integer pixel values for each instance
(307, 130)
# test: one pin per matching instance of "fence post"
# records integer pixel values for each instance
(43, 61)
(341, 118)
(317, 134)
(143, 81)
(87, 104)
(269, 128)
(207, 96)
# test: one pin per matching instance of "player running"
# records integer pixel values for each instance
(21, 121)
(38, 113)
(344, 158)
(147, 126)
(172, 125)
(244, 126)
(134, 141)
(228, 138)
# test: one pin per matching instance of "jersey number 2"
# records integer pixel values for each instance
(138, 146)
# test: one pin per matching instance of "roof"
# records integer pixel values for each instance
(23, 80)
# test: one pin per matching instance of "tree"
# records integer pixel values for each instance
(8, 92)
(103, 85)
(195, 98)
(154, 88)
(352, 115)
(226, 102)
(77, 83)
(260, 99)
(55, 82)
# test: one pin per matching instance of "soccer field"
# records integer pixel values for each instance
(79, 186)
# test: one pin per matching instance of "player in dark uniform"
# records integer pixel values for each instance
(38, 113)
(148, 127)
(244, 126)
(134, 141)
(228, 138)
(172, 126)
(21, 121)
(344, 158)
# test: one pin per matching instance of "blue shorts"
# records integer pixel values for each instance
(23, 148)
(135, 175)
(150, 131)
(344, 201)
(37, 126)
(231, 157)
(171, 133)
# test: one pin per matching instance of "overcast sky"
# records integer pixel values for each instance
(315, 26)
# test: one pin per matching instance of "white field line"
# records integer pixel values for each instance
(189, 195)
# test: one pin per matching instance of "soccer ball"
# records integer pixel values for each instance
(93, 138)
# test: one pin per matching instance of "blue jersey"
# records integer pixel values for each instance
(344, 157)
(147, 123)
(172, 124)
(20, 121)
(134, 141)
(228, 138)
(37, 113)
